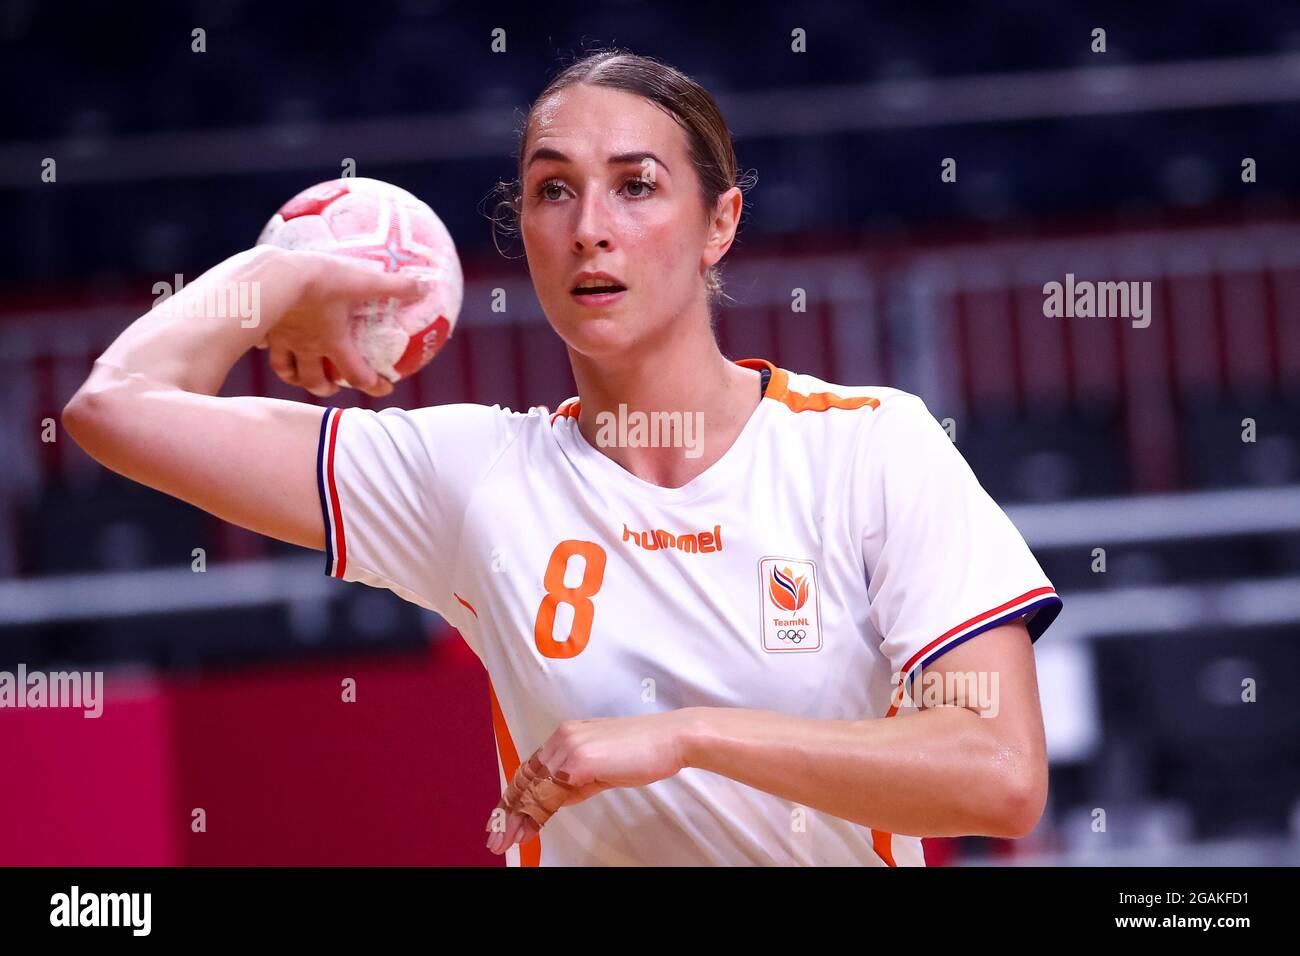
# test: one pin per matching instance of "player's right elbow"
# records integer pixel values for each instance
(89, 414)
(79, 415)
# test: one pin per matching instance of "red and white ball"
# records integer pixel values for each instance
(385, 228)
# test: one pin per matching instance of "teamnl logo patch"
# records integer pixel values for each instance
(792, 618)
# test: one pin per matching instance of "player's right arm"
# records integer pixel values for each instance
(150, 410)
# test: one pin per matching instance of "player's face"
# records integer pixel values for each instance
(608, 187)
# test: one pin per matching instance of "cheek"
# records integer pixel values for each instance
(544, 247)
(533, 236)
(660, 246)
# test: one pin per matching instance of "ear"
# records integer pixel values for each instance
(722, 226)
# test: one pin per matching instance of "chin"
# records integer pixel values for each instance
(599, 336)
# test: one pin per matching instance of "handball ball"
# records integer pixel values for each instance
(387, 229)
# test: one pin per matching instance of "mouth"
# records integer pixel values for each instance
(598, 291)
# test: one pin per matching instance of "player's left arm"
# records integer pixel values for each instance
(955, 768)
(960, 767)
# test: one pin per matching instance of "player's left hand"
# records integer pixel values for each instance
(581, 759)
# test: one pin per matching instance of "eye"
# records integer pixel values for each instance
(549, 184)
(649, 186)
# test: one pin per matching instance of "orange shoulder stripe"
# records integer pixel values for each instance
(569, 408)
(778, 389)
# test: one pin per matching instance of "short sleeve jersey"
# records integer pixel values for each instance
(838, 545)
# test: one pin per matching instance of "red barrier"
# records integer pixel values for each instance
(91, 791)
(285, 771)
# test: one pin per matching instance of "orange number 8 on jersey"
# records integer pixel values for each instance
(579, 597)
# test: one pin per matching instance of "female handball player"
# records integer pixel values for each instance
(705, 653)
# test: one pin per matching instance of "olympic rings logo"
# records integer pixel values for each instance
(792, 635)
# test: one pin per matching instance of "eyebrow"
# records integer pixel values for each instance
(618, 159)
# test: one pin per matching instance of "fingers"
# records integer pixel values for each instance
(284, 364)
(357, 282)
(517, 828)
(311, 376)
(523, 831)
(540, 801)
(520, 795)
(381, 388)
(531, 798)
(354, 368)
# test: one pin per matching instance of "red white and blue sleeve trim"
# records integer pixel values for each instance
(1043, 604)
(336, 551)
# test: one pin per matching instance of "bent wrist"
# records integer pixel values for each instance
(695, 729)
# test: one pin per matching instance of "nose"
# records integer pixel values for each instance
(591, 231)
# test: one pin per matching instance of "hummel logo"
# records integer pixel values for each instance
(704, 542)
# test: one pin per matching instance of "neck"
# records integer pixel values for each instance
(708, 400)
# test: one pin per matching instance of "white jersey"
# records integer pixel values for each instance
(840, 543)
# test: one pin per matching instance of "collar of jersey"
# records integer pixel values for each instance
(719, 472)
(777, 385)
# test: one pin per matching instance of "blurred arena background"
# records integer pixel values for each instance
(223, 686)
